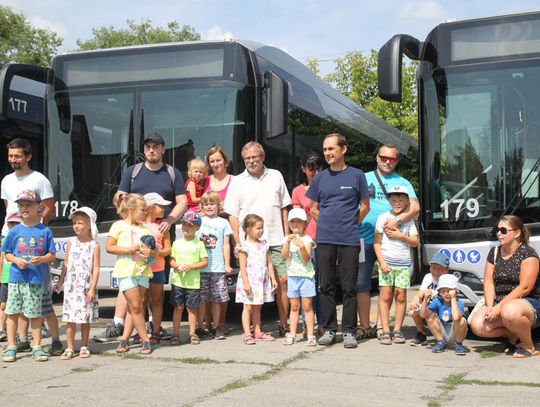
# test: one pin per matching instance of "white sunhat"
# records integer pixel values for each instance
(13, 217)
(93, 219)
(153, 198)
(448, 281)
(297, 213)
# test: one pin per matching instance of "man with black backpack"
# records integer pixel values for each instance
(152, 175)
(379, 181)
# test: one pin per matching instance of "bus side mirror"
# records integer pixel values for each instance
(389, 64)
(275, 110)
(61, 98)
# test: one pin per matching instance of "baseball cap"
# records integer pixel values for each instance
(153, 198)
(441, 259)
(28, 195)
(398, 189)
(13, 217)
(155, 137)
(93, 218)
(448, 281)
(192, 217)
(297, 213)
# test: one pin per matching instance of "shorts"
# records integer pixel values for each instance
(127, 283)
(24, 298)
(398, 276)
(365, 270)
(188, 297)
(279, 263)
(214, 287)
(47, 309)
(300, 287)
(158, 277)
(447, 331)
(535, 305)
(4, 293)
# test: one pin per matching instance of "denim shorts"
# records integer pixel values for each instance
(158, 277)
(185, 297)
(127, 283)
(365, 270)
(535, 305)
(300, 287)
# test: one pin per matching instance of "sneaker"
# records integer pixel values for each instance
(439, 347)
(419, 340)
(349, 341)
(111, 333)
(329, 338)
(204, 333)
(10, 354)
(459, 349)
(45, 333)
(24, 347)
(56, 348)
(3, 336)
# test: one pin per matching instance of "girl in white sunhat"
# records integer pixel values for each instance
(79, 279)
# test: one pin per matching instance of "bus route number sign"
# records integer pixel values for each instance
(471, 206)
(65, 208)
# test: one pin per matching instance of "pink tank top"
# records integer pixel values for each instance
(222, 193)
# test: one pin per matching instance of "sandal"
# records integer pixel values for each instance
(220, 334)
(282, 330)
(378, 331)
(123, 346)
(155, 339)
(68, 354)
(84, 352)
(311, 341)
(364, 333)
(194, 339)
(146, 348)
(399, 337)
(289, 339)
(39, 354)
(522, 353)
(175, 340)
(10, 354)
(262, 336)
(136, 339)
(248, 340)
(385, 338)
(509, 348)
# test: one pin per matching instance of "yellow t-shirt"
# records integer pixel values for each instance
(131, 265)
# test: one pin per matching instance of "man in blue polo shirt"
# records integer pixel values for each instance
(339, 201)
(382, 179)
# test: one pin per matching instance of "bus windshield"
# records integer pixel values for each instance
(480, 145)
(85, 166)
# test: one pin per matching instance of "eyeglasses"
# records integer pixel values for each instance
(252, 158)
(386, 159)
(504, 230)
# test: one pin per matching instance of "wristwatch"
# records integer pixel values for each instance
(399, 221)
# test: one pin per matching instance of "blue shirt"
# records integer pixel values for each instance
(213, 233)
(339, 194)
(158, 181)
(378, 204)
(444, 312)
(27, 242)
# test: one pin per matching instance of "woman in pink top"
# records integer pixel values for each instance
(310, 164)
(218, 181)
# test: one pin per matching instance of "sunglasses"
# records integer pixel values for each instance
(386, 159)
(503, 230)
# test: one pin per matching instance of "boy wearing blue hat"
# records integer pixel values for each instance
(439, 265)
(188, 257)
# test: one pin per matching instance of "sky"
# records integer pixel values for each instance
(320, 29)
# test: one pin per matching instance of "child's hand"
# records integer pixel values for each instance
(228, 269)
(453, 294)
(58, 286)
(290, 238)
(133, 248)
(274, 285)
(393, 234)
(298, 242)
(384, 268)
(21, 263)
(37, 260)
(247, 288)
(91, 295)
(145, 251)
(184, 267)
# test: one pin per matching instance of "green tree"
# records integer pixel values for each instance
(22, 43)
(138, 34)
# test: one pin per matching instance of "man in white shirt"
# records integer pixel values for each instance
(262, 191)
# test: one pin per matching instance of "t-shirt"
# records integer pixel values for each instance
(428, 283)
(295, 265)
(159, 263)
(378, 203)
(213, 233)
(395, 252)
(27, 242)
(506, 273)
(154, 181)
(339, 194)
(299, 198)
(129, 265)
(444, 312)
(265, 196)
(187, 252)
(12, 185)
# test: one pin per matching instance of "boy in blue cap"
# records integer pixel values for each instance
(439, 265)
